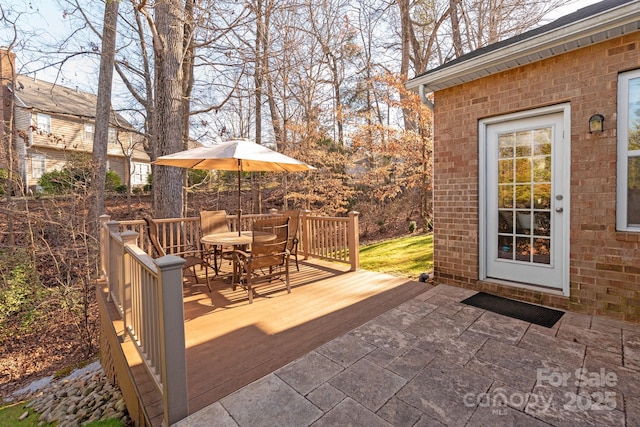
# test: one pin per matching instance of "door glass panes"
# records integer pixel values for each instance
(524, 196)
(633, 189)
(634, 114)
(523, 144)
(542, 168)
(633, 166)
(505, 196)
(542, 196)
(542, 224)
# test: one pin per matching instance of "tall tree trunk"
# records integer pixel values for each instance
(187, 84)
(167, 126)
(405, 37)
(338, 99)
(7, 108)
(405, 51)
(257, 76)
(279, 132)
(261, 52)
(103, 114)
(455, 27)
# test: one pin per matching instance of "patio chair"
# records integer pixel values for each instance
(212, 222)
(268, 259)
(191, 256)
(292, 244)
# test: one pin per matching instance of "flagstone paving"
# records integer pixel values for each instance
(433, 361)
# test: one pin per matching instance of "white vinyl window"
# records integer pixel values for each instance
(37, 165)
(140, 173)
(113, 136)
(628, 187)
(89, 130)
(43, 123)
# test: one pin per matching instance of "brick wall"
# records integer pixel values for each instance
(604, 264)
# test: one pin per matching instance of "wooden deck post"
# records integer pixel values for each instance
(305, 233)
(172, 339)
(354, 241)
(124, 293)
(104, 247)
(112, 264)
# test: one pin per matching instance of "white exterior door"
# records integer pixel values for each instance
(525, 198)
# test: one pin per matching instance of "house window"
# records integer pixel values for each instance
(37, 165)
(113, 136)
(140, 173)
(628, 191)
(89, 130)
(43, 123)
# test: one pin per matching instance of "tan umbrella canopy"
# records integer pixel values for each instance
(241, 155)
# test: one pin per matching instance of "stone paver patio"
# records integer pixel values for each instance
(433, 361)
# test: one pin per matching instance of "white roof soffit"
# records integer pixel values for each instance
(595, 29)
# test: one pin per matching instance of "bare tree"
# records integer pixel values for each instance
(333, 31)
(7, 111)
(455, 27)
(168, 38)
(434, 32)
(103, 112)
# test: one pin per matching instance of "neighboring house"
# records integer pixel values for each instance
(529, 202)
(53, 122)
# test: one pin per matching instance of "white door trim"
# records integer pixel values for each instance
(483, 124)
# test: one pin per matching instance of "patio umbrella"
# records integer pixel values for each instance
(241, 155)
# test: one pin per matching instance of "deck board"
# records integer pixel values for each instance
(231, 343)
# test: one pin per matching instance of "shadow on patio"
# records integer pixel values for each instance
(434, 361)
(231, 343)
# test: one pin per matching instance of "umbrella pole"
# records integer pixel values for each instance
(239, 198)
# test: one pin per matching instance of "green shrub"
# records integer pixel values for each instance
(4, 174)
(148, 185)
(55, 182)
(112, 182)
(75, 176)
(197, 176)
(412, 226)
(20, 293)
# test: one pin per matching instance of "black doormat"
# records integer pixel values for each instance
(518, 310)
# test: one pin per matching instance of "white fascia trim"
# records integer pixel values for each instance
(19, 101)
(619, 21)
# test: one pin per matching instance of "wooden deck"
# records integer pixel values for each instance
(231, 343)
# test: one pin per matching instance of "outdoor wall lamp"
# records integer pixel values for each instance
(596, 123)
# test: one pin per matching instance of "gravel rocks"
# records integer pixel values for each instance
(79, 399)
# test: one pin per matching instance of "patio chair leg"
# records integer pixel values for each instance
(286, 273)
(206, 276)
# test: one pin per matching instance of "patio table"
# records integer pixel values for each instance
(238, 241)
(231, 238)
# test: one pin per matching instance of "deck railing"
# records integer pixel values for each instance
(330, 238)
(335, 239)
(147, 292)
(144, 291)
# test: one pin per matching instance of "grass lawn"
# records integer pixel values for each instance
(11, 412)
(407, 256)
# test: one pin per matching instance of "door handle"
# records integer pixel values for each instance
(559, 210)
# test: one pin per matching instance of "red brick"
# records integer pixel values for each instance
(604, 263)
